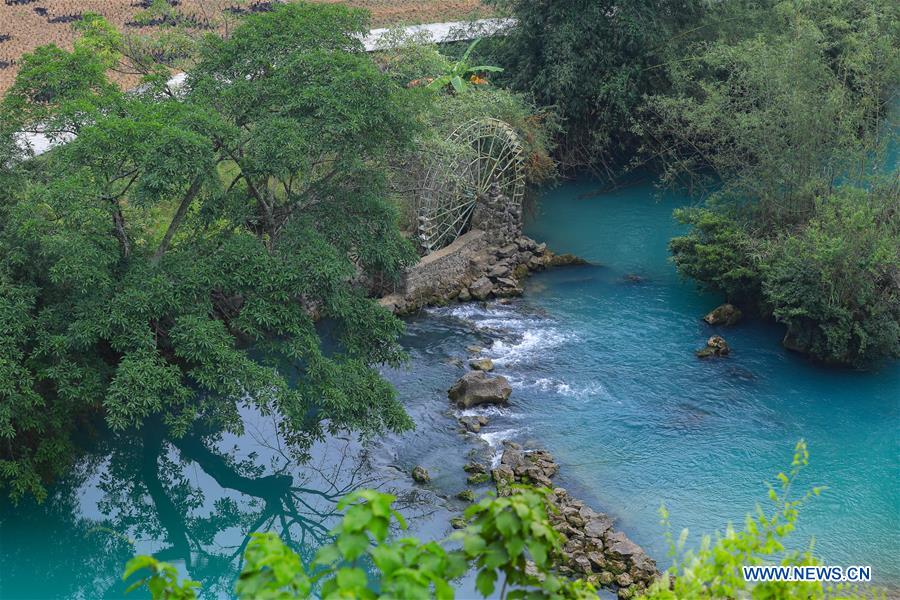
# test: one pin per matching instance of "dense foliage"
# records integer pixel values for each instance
(836, 282)
(790, 129)
(145, 260)
(593, 61)
(766, 109)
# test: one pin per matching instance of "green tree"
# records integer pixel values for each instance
(784, 125)
(594, 61)
(182, 258)
(835, 283)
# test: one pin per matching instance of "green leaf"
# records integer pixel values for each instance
(484, 582)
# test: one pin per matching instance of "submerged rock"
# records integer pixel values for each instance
(477, 387)
(477, 478)
(715, 346)
(726, 314)
(473, 424)
(562, 260)
(420, 474)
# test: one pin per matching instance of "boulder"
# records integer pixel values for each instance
(513, 456)
(474, 467)
(481, 288)
(464, 295)
(715, 346)
(420, 474)
(535, 263)
(507, 251)
(499, 270)
(477, 387)
(597, 526)
(394, 303)
(726, 314)
(482, 364)
(458, 523)
(526, 243)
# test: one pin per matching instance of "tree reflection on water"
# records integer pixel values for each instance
(193, 501)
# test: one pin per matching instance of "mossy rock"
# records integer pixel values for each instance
(458, 523)
(477, 478)
(467, 495)
(420, 474)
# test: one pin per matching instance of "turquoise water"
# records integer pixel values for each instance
(604, 375)
(638, 420)
(602, 365)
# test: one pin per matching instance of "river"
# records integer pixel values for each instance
(604, 376)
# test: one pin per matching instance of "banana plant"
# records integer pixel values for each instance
(462, 73)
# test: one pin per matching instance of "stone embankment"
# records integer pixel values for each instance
(472, 269)
(593, 549)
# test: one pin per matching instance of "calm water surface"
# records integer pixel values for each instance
(602, 365)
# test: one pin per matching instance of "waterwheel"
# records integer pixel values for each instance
(485, 161)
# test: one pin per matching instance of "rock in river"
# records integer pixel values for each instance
(726, 314)
(482, 364)
(715, 346)
(420, 475)
(477, 387)
(481, 288)
(473, 424)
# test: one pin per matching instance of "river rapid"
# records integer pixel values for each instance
(601, 360)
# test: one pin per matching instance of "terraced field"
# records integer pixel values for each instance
(27, 24)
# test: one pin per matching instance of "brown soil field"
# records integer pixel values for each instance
(27, 24)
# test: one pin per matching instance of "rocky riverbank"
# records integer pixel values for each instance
(593, 548)
(473, 269)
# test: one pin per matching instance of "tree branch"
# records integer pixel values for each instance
(176, 220)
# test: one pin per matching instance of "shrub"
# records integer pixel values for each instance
(714, 569)
(835, 283)
(717, 253)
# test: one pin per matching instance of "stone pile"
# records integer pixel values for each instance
(593, 549)
(490, 272)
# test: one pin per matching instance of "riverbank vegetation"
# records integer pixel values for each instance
(778, 115)
(509, 542)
